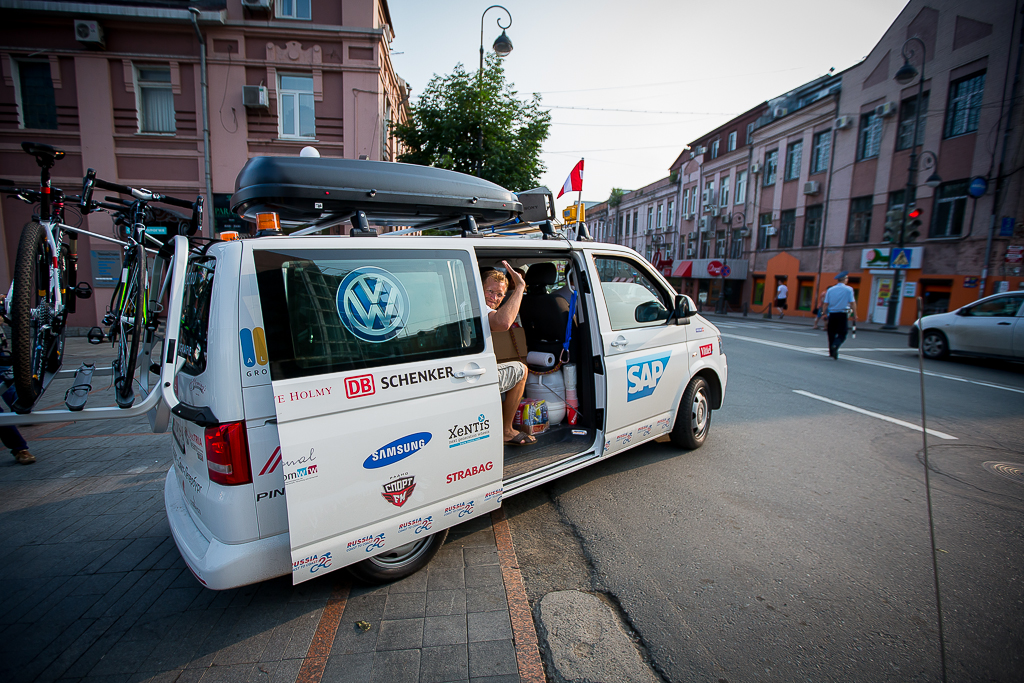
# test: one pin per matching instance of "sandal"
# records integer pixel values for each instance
(521, 439)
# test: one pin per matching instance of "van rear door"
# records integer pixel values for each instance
(386, 395)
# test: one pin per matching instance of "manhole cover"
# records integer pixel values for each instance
(1008, 470)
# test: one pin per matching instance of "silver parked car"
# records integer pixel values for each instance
(991, 327)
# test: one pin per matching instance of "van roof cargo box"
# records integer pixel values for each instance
(303, 190)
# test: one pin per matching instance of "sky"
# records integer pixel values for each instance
(673, 70)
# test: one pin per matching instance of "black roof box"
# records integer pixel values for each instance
(311, 189)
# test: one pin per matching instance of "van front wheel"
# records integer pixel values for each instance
(399, 562)
(694, 417)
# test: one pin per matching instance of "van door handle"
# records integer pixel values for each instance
(470, 373)
(621, 341)
(1005, 323)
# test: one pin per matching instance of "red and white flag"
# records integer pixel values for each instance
(574, 183)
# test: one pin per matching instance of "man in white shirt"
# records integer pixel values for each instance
(781, 295)
(838, 300)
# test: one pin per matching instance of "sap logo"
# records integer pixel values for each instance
(399, 449)
(373, 304)
(361, 385)
(706, 349)
(642, 376)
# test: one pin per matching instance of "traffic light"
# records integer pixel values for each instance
(893, 221)
(913, 225)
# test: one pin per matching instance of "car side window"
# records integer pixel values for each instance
(1003, 307)
(626, 288)
(195, 313)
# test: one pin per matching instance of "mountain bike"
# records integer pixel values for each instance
(133, 315)
(39, 301)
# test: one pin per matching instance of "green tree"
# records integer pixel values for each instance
(615, 197)
(445, 127)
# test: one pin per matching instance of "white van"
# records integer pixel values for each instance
(339, 402)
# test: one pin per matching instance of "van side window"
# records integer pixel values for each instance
(333, 311)
(195, 314)
(625, 287)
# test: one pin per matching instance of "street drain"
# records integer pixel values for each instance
(1007, 470)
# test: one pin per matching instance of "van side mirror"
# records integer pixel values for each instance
(683, 311)
(651, 311)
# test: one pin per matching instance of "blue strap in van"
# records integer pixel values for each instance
(564, 356)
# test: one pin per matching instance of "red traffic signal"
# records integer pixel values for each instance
(915, 213)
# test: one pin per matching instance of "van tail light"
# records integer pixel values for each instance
(227, 454)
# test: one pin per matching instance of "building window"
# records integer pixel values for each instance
(686, 201)
(870, 136)
(764, 240)
(659, 217)
(736, 248)
(964, 105)
(709, 193)
(671, 208)
(627, 225)
(950, 207)
(750, 133)
(37, 107)
(860, 220)
(720, 244)
(155, 100)
(908, 115)
(731, 145)
(650, 218)
(896, 199)
(822, 147)
(725, 191)
(295, 102)
(714, 149)
(812, 225)
(741, 186)
(794, 157)
(636, 222)
(787, 226)
(771, 164)
(293, 9)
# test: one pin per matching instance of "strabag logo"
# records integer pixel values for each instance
(459, 435)
(372, 304)
(470, 471)
(643, 375)
(461, 509)
(314, 563)
(706, 349)
(397, 491)
(368, 542)
(417, 526)
(399, 449)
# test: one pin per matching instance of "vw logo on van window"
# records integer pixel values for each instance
(373, 304)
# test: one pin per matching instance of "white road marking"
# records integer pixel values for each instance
(908, 425)
(876, 363)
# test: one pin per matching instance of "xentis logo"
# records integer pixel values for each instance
(399, 449)
(368, 542)
(372, 304)
(459, 435)
(397, 491)
(418, 525)
(461, 509)
(643, 375)
(314, 563)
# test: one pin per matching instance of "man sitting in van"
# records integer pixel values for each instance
(511, 374)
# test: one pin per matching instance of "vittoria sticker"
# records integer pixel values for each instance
(399, 449)
(370, 543)
(461, 509)
(397, 491)
(416, 526)
(643, 375)
(373, 304)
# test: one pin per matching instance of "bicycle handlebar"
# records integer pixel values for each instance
(91, 181)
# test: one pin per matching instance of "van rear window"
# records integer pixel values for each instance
(195, 314)
(326, 313)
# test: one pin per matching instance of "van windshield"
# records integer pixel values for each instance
(333, 311)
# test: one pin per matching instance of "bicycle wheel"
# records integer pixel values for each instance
(37, 330)
(129, 325)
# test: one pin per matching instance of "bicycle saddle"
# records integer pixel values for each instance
(45, 154)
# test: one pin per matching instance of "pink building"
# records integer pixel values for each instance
(120, 87)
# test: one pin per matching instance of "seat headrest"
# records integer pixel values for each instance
(541, 274)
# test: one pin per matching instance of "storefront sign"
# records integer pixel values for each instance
(1014, 253)
(711, 269)
(879, 257)
(970, 283)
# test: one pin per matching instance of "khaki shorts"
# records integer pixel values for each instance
(510, 374)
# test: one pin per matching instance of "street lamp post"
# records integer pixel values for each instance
(502, 46)
(905, 75)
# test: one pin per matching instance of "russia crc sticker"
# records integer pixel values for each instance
(373, 304)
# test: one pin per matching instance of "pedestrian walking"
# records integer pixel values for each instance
(819, 311)
(781, 294)
(839, 303)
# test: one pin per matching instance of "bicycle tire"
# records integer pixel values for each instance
(131, 325)
(35, 347)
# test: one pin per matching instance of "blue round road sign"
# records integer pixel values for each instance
(978, 187)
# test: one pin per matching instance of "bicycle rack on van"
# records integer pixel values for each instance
(160, 398)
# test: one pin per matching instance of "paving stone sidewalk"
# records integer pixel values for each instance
(94, 589)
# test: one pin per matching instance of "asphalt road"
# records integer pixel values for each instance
(795, 546)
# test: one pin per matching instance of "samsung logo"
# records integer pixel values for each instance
(399, 449)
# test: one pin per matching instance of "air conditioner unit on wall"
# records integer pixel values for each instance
(844, 122)
(812, 187)
(255, 96)
(257, 5)
(770, 230)
(780, 112)
(689, 251)
(715, 210)
(703, 223)
(755, 168)
(88, 32)
(885, 110)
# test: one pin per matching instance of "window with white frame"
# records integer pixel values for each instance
(870, 138)
(771, 166)
(671, 207)
(686, 200)
(659, 216)
(950, 209)
(693, 200)
(724, 194)
(794, 157)
(154, 99)
(33, 91)
(908, 120)
(650, 218)
(732, 141)
(750, 133)
(295, 107)
(714, 149)
(741, 186)
(964, 105)
(821, 151)
(293, 9)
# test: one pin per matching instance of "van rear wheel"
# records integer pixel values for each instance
(399, 562)
(694, 417)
